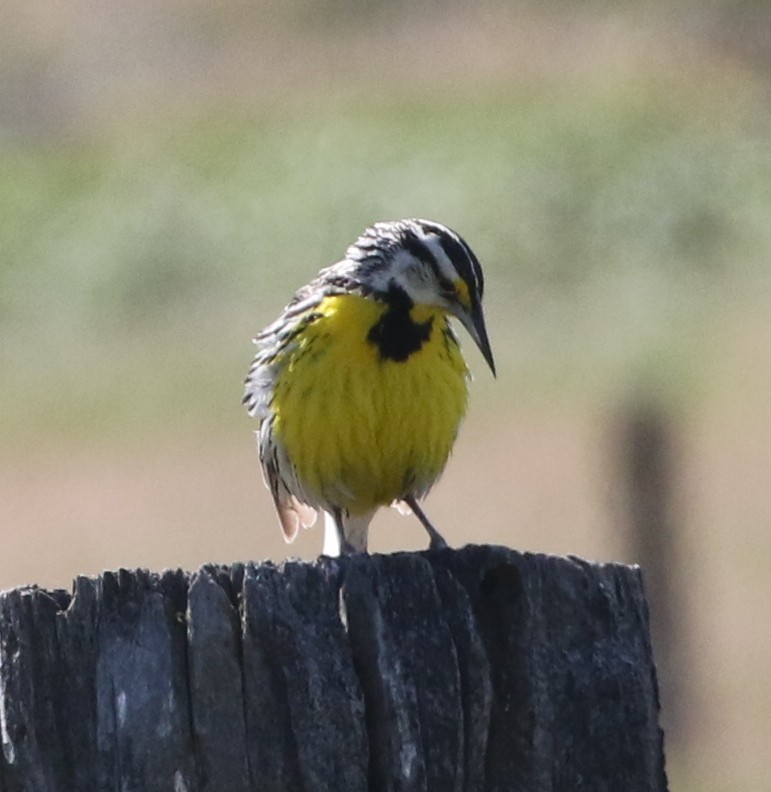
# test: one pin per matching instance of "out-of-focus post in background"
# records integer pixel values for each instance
(647, 448)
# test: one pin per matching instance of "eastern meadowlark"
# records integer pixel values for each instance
(360, 385)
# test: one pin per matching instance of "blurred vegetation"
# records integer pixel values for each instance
(616, 227)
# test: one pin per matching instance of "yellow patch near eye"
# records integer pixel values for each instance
(461, 289)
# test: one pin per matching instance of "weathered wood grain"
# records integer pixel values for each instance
(453, 670)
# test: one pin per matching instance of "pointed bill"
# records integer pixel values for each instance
(474, 322)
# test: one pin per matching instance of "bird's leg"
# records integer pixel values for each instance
(436, 541)
(335, 541)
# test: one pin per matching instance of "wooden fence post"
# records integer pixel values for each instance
(451, 670)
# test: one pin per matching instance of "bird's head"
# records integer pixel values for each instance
(431, 265)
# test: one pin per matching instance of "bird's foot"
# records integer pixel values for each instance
(436, 541)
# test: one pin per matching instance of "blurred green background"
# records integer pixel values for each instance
(171, 172)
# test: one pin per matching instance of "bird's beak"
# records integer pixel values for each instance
(474, 322)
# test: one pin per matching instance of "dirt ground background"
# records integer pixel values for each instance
(170, 172)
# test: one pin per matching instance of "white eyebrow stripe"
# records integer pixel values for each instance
(445, 264)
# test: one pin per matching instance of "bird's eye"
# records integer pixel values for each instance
(447, 289)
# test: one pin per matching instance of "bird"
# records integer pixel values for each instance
(360, 385)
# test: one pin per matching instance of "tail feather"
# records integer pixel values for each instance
(331, 545)
(292, 514)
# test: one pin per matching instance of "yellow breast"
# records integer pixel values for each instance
(361, 430)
